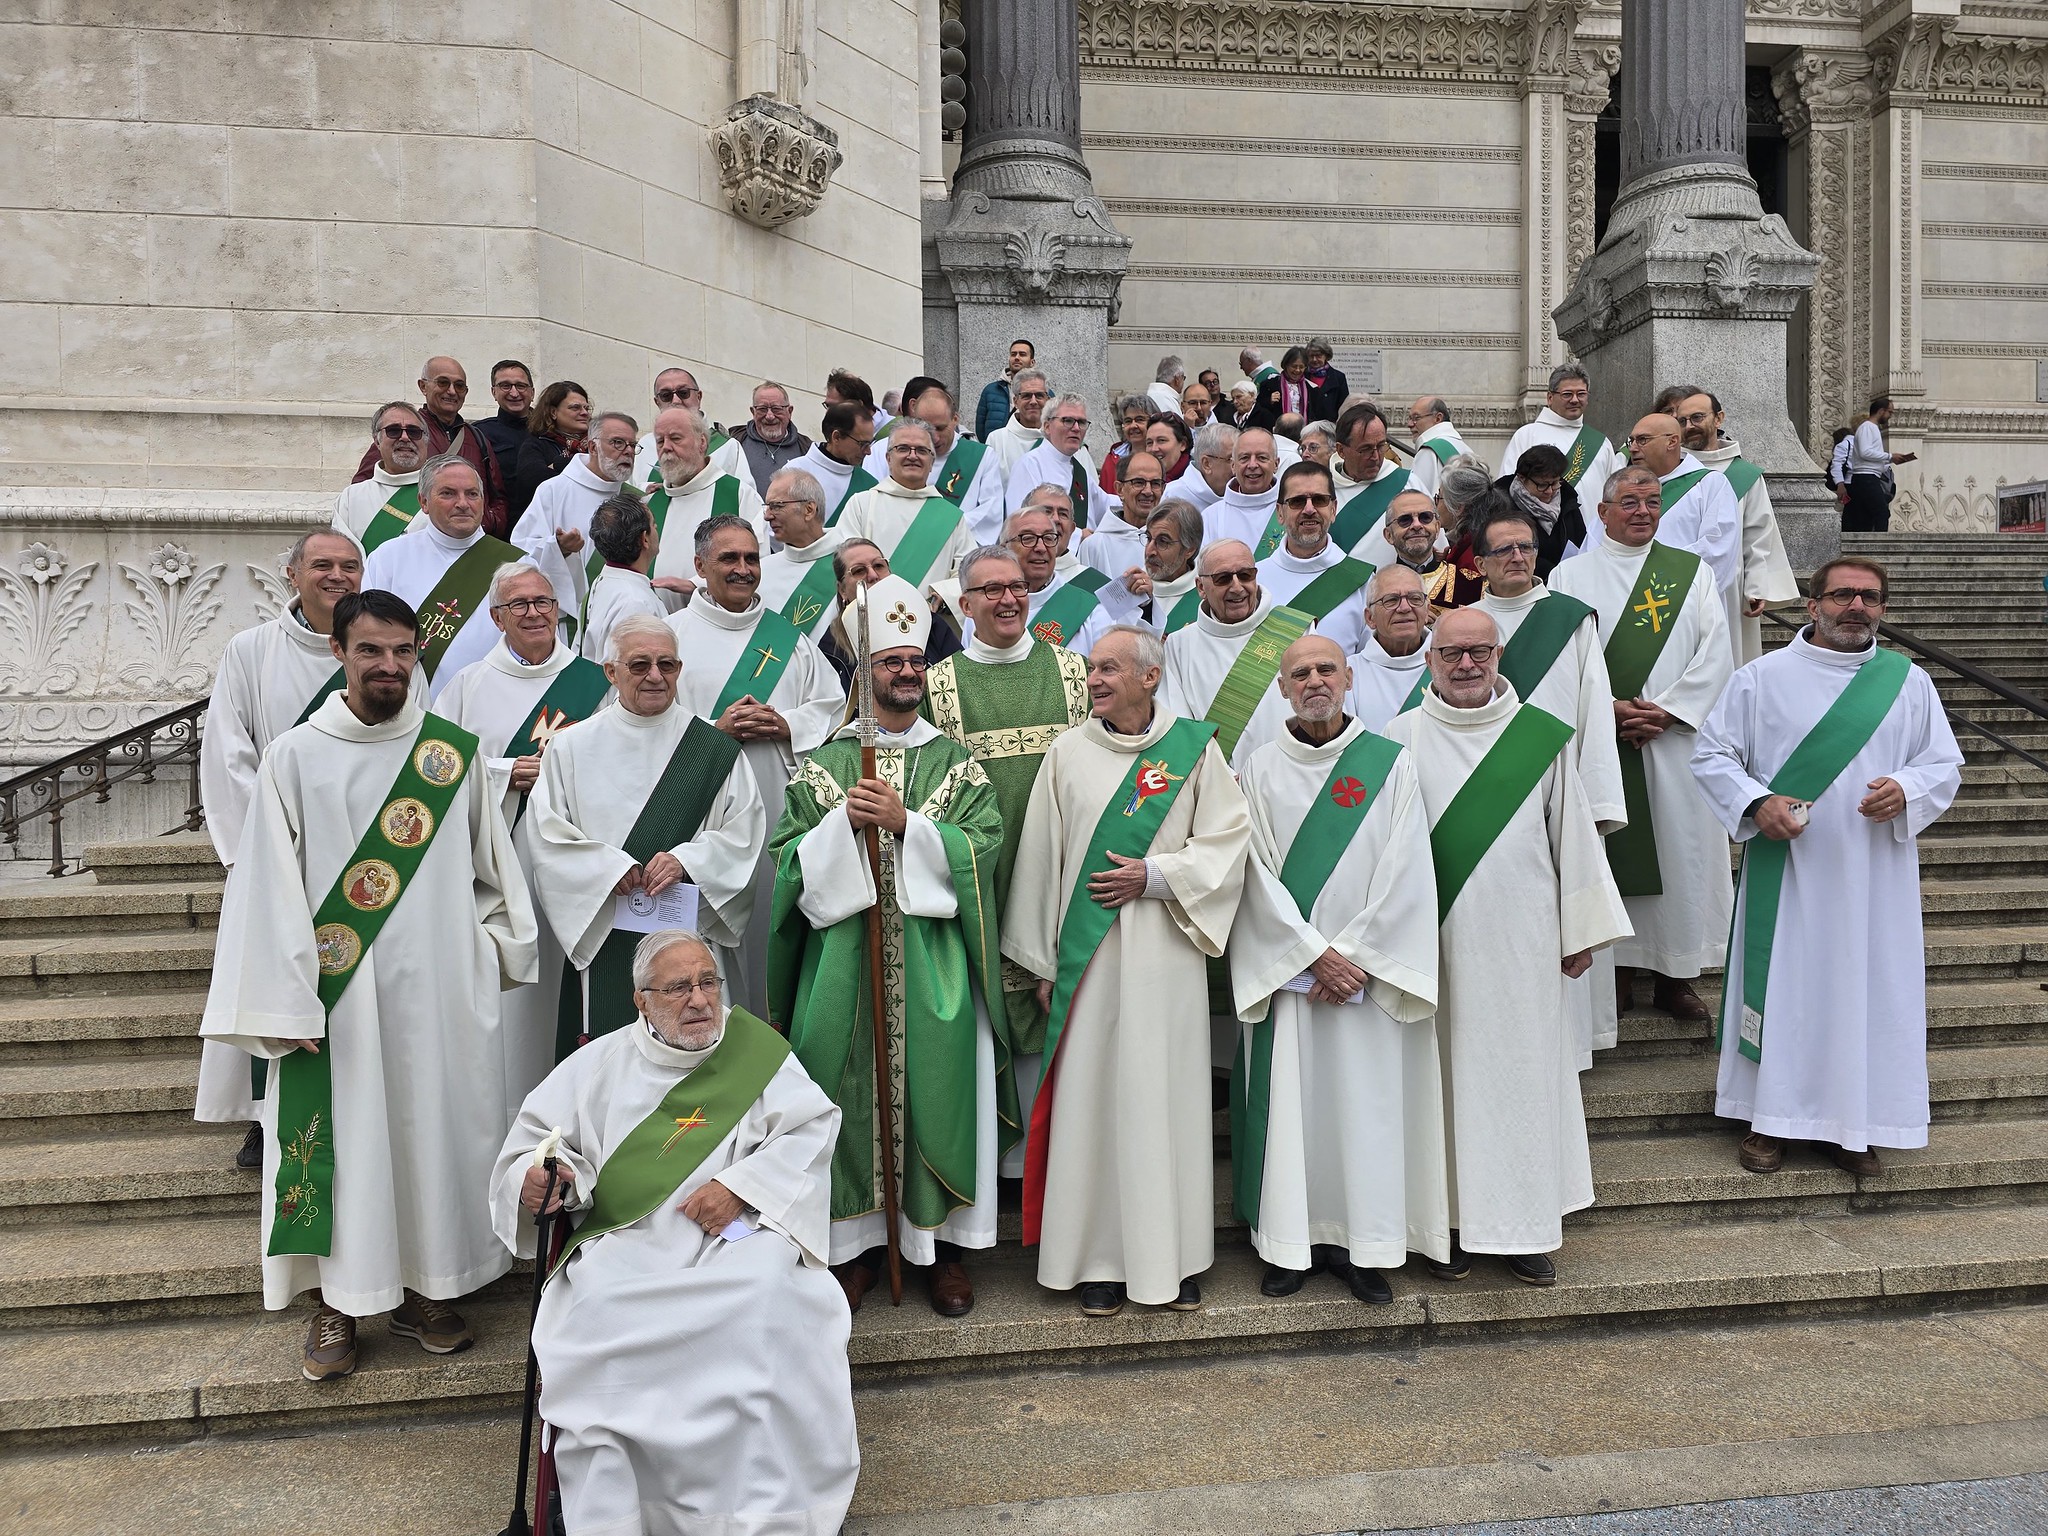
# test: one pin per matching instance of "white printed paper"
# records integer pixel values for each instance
(1306, 981)
(638, 912)
(1118, 601)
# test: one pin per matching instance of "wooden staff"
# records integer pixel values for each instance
(885, 1108)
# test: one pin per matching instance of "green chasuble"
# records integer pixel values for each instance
(1006, 715)
(818, 987)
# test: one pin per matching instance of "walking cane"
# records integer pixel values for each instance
(885, 1110)
(543, 1224)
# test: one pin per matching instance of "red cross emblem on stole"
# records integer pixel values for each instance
(1347, 792)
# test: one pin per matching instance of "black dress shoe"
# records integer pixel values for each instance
(1457, 1267)
(251, 1154)
(1531, 1268)
(1368, 1285)
(1282, 1282)
(1102, 1298)
(1189, 1299)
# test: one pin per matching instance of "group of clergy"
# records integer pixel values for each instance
(1295, 817)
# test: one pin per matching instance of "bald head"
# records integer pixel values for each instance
(1315, 681)
(1228, 578)
(1254, 461)
(1655, 444)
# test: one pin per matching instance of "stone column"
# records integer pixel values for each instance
(1904, 58)
(1824, 97)
(1023, 247)
(1547, 52)
(1692, 280)
(1588, 85)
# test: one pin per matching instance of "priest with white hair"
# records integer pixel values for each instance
(1336, 1103)
(1061, 458)
(1390, 673)
(642, 811)
(693, 490)
(692, 1342)
(1524, 898)
(384, 506)
(554, 530)
(922, 534)
(523, 694)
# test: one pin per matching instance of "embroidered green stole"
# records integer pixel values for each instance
(692, 1121)
(1068, 609)
(393, 518)
(1489, 798)
(1367, 510)
(345, 925)
(1584, 449)
(1184, 609)
(1257, 665)
(761, 664)
(813, 596)
(458, 597)
(572, 694)
(959, 470)
(1647, 619)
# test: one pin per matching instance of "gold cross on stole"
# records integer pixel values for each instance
(1653, 606)
(684, 1125)
(767, 654)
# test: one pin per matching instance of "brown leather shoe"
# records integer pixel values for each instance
(952, 1292)
(855, 1279)
(1624, 988)
(1678, 999)
(1761, 1153)
(1863, 1164)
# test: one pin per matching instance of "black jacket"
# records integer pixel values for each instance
(540, 458)
(1570, 527)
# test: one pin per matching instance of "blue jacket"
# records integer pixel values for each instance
(993, 409)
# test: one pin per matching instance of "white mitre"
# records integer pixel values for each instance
(896, 613)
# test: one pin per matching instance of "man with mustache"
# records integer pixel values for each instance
(1666, 661)
(444, 387)
(388, 1076)
(383, 506)
(1006, 697)
(938, 830)
(1337, 1127)
(764, 683)
(1827, 760)
(1766, 571)
(1128, 872)
(1306, 556)
(693, 490)
(554, 531)
(1523, 898)
(923, 534)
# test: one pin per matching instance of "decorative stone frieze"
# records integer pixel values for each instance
(774, 162)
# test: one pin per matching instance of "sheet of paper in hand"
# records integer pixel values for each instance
(676, 907)
(1306, 981)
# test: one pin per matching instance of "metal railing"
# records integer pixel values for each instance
(140, 752)
(1970, 672)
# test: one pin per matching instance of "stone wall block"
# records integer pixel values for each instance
(278, 442)
(142, 168)
(135, 351)
(314, 174)
(234, 263)
(31, 347)
(615, 372)
(511, 272)
(467, 23)
(88, 72)
(504, 93)
(462, 181)
(210, 77)
(80, 258)
(657, 310)
(682, 75)
(364, 268)
(647, 141)
(383, 87)
(588, 203)
(476, 341)
(28, 163)
(554, 102)
(295, 355)
(593, 38)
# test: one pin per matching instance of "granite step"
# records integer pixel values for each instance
(45, 1028)
(152, 1175)
(1981, 952)
(175, 856)
(66, 905)
(185, 1375)
(1676, 1093)
(1959, 1013)
(89, 963)
(2012, 778)
(1959, 857)
(67, 1096)
(1958, 904)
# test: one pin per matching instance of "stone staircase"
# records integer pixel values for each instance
(130, 1295)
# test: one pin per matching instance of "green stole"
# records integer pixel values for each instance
(725, 502)
(774, 641)
(1127, 826)
(1077, 493)
(393, 518)
(1445, 452)
(345, 925)
(692, 1121)
(860, 480)
(1584, 449)
(1808, 773)
(1184, 609)
(572, 694)
(1546, 629)
(714, 442)
(458, 597)
(1257, 664)
(957, 473)
(921, 542)
(1489, 798)
(1662, 583)
(674, 811)
(1068, 609)
(1742, 475)
(1319, 845)
(1367, 510)
(814, 594)
(1675, 488)
(333, 685)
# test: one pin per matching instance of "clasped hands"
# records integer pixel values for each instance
(711, 1205)
(1637, 722)
(748, 719)
(653, 877)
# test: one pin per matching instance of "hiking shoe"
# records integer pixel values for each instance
(437, 1327)
(330, 1346)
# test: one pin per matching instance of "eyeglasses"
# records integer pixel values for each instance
(676, 991)
(896, 666)
(1523, 548)
(1414, 519)
(1082, 422)
(1249, 576)
(1479, 654)
(1304, 503)
(787, 502)
(996, 591)
(1542, 490)
(1033, 394)
(526, 605)
(403, 434)
(667, 666)
(1035, 540)
(1639, 503)
(1400, 600)
(1843, 597)
(676, 396)
(615, 444)
(911, 450)
(1639, 439)
(1151, 480)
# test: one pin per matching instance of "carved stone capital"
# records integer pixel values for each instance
(1905, 57)
(993, 251)
(1828, 89)
(1547, 44)
(774, 162)
(1589, 79)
